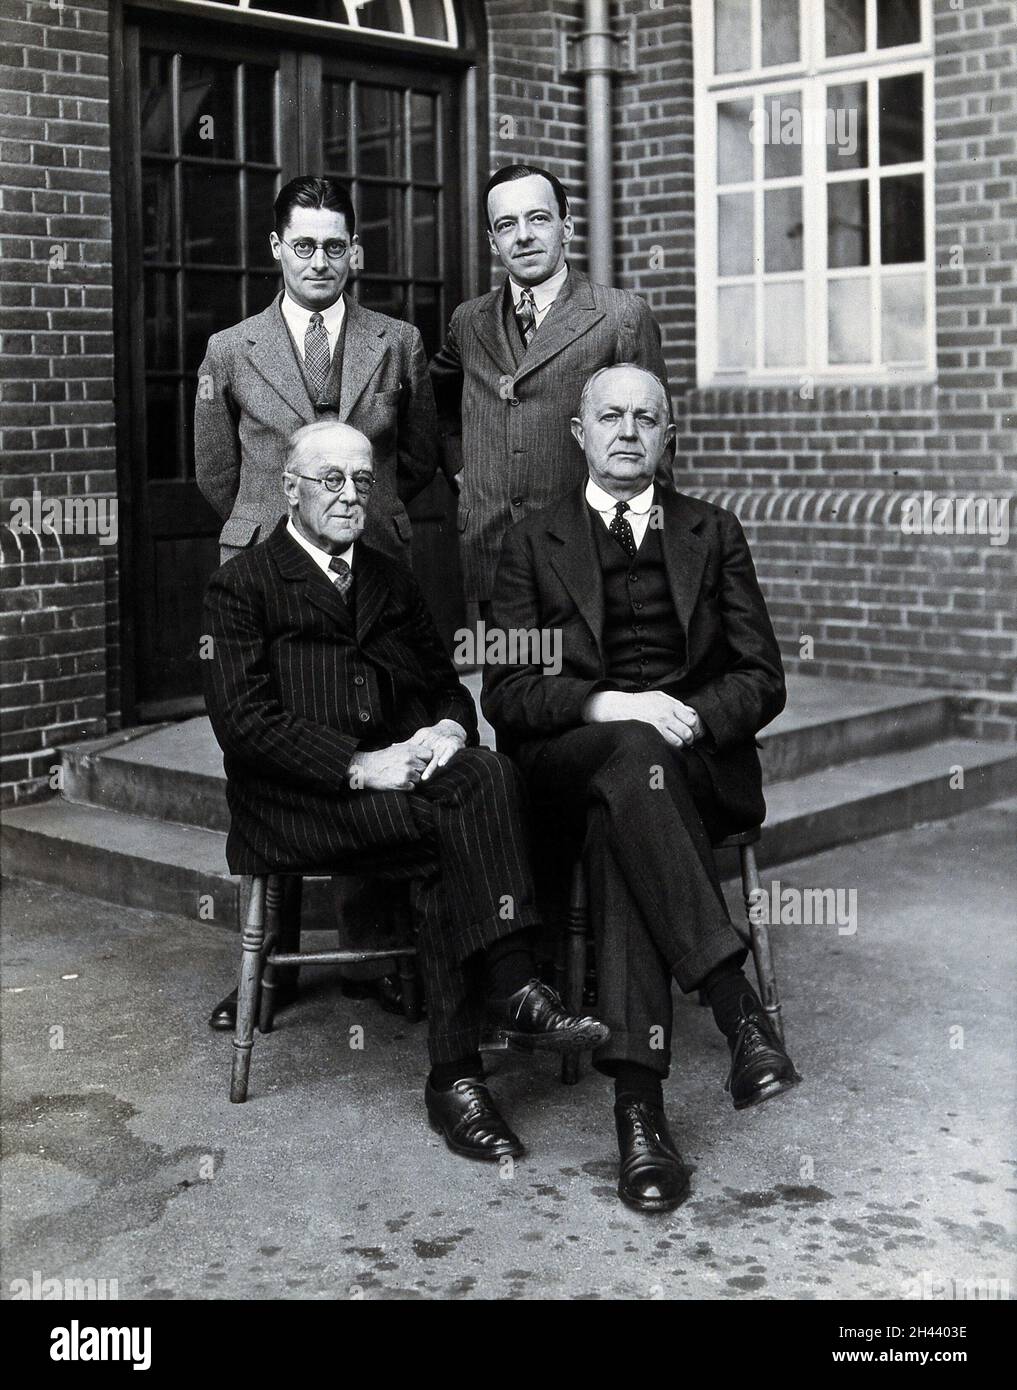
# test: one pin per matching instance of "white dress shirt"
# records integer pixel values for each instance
(544, 294)
(297, 320)
(321, 558)
(638, 514)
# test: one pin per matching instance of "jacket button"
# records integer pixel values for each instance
(358, 680)
(514, 400)
(364, 716)
(518, 501)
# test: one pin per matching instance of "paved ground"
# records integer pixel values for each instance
(889, 1173)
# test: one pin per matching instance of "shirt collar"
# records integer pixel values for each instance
(298, 317)
(545, 293)
(320, 557)
(602, 501)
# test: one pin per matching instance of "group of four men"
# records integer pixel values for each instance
(350, 743)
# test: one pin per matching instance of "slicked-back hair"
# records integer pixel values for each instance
(588, 385)
(312, 191)
(303, 438)
(508, 173)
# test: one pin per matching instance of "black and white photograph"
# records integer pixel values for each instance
(509, 668)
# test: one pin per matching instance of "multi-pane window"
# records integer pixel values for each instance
(813, 182)
(430, 20)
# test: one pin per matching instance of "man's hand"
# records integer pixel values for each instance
(397, 768)
(444, 740)
(678, 724)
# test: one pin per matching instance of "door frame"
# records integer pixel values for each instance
(468, 64)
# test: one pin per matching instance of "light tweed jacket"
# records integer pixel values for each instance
(504, 414)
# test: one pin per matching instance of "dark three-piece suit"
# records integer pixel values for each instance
(300, 680)
(684, 615)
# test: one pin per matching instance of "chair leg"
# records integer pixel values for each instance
(760, 934)
(411, 988)
(575, 963)
(282, 904)
(252, 943)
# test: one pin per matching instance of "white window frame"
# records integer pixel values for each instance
(352, 20)
(810, 76)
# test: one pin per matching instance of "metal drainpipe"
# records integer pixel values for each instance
(598, 67)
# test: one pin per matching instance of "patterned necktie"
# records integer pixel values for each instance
(316, 355)
(622, 531)
(343, 580)
(526, 315)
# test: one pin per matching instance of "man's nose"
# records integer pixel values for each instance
(319, 260)
(348, 491)
(524, 232)
(628, 425)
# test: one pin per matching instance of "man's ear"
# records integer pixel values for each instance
(578, 433)
(568, 229)
(669, 435)
(290, 488)
(491, 242)
(273, 241)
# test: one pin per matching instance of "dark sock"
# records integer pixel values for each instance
(509, 964)
(632, 1079)
(444, 1075)
(724, 987)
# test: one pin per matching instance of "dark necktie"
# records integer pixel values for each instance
(526, 315)
(343, 580)
(622, 531)
(316, 355)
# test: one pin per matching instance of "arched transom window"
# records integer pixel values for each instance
(432, 21)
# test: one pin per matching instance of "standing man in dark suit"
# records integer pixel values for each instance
(508, 377)
(643, 748)
(350, 744)
(312, 354)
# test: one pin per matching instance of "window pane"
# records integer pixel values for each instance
(847, 236)
(259, 115)
(784, 324)
(900, 119)
(211, 215)
(162, 429)
(847, 126)
(156, 108)
(734, 234)
(734, 143)
(426, 317)
(429, 19)
(901, 220)
(157, 229)
(207, 108)
(732, 47)
(261, 290)
(386, 298)
(380, 227)
(425, 232)
(211, 303)
(845, 27)
(335, 100)
(897, 22)
(904, 318)
(261, 191)
(848, 306)
(780, 32)
(782, 153)
(782, 229)
(380, 146)
(380, 14)
(736, 326)
(424, 136)
(160, 321)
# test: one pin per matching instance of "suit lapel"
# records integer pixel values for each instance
(362, 357)
(370, 591)
(489, 326)
(296, 566)
(575, 561)
(571, 316)
(685, 551)
(272, 356)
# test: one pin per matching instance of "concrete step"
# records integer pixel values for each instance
(132, 861)
(891, 791)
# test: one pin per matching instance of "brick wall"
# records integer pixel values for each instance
(58, 621)
(819, 482)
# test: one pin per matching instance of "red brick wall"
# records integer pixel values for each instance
(58, 617)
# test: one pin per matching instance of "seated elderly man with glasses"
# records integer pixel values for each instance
(351, 746)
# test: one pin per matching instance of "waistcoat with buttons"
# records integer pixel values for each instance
(332, 394)
(644, 642)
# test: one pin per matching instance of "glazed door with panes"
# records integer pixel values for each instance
(217, 127)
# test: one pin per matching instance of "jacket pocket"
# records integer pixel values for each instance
(463, 519)
(240, 531)
(404, 527)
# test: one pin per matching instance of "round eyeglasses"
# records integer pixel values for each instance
(335, 482)
(305, 248)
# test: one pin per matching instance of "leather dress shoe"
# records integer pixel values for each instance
(385, 990)
(760, 1067)
(468, 1120)
(653, 1175)
(223, 1017)
(534, 1017)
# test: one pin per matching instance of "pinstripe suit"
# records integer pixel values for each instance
(504, 412)
(298, 682)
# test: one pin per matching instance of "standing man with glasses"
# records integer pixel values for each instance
(313, 354)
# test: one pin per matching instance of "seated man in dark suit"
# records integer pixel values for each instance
(643, 747)
(350, 744)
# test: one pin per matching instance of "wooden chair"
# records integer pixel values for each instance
(260, 960)
(756, 937)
